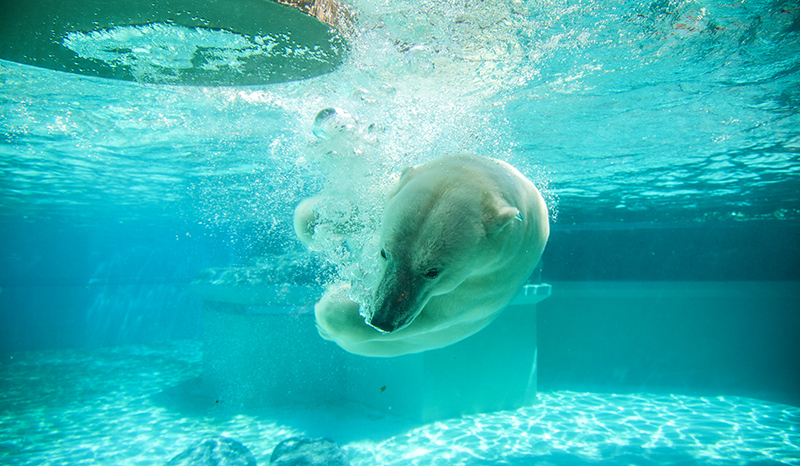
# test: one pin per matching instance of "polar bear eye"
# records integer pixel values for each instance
(431, 273)
(383, 253)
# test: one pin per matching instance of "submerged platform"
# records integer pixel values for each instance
(271, 355)
(183, 42)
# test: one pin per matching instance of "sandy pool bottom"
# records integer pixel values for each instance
(121, 406)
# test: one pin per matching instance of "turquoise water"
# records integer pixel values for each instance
(655, 111)
(663, 135)
(108, 407)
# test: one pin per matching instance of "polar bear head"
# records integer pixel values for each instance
(437, 230)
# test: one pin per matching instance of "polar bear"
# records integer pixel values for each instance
(460, 236)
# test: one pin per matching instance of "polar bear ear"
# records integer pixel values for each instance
(405, 176)
(502, 216)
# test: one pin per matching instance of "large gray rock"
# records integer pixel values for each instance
(220, 451)
(300, 451)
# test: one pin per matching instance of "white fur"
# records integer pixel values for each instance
(461, 234)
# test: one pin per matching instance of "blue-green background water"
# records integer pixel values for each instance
(664, 135)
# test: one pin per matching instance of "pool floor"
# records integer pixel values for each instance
(136, 405)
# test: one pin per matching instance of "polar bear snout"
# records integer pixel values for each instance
(383, 325)
(397, 300)
(388, 320)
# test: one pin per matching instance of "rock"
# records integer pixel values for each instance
(220, 451)
(300, 451)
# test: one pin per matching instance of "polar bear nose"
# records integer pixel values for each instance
(395, 311)
(382, 325)
(397, 299)
(392, 306)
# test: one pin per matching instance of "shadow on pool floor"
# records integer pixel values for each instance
(344, 422)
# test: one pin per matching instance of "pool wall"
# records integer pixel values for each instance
(705, 338)
(766, 250)
(617, 320)
(67, 285)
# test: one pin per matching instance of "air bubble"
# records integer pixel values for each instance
(332, 122)
(364, 96)
(419, 60)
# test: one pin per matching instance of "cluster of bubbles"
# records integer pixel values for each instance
(350, 205)
(557, 84)
(421, 81)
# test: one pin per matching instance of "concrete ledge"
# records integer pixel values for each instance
(268, 355)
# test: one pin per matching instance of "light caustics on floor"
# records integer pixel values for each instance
(115, 406)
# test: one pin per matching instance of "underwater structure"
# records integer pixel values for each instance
(261, 349)
(184, 42)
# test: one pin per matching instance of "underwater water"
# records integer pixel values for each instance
(664, 136)
(107, 407)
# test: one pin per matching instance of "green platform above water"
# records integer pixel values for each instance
(184, 42)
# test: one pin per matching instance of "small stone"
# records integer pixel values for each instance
(300, 451)
(220, 451)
